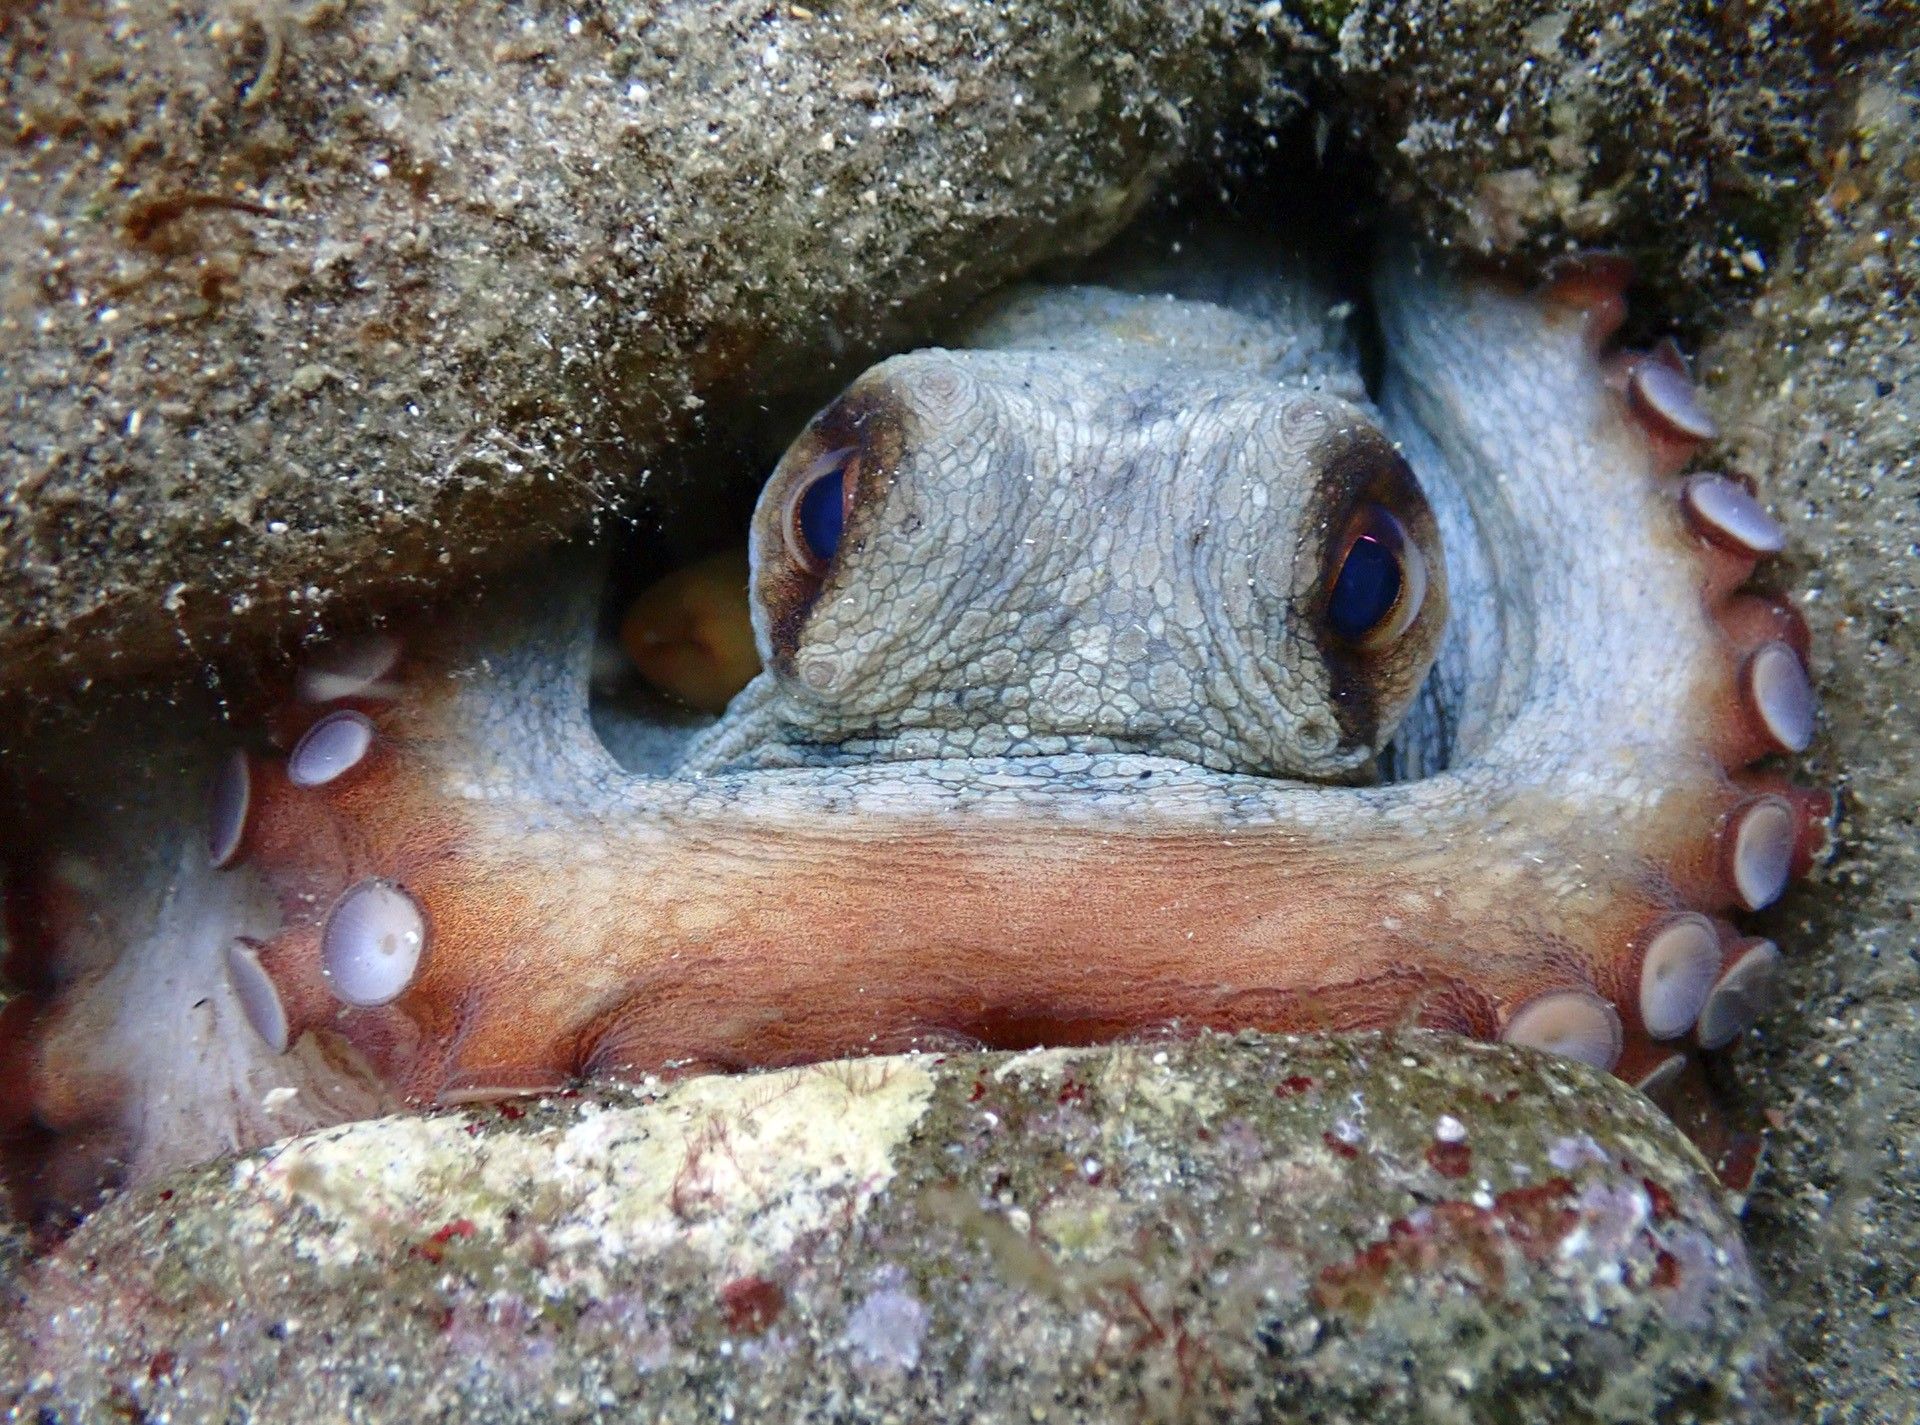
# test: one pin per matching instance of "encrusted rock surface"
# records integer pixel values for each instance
(1690, 134)
(304, 304)
(1823, 384)
(305, 300)
(1381, 1229)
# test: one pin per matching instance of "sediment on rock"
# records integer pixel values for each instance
(1824, 375)
(1689, 135)
(308, 305)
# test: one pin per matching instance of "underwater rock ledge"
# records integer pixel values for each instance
(1382, 1228)
(318, 301)
(311, 305)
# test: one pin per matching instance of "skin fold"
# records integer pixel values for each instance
(1062, 743)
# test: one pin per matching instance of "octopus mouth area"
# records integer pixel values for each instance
(435, 867)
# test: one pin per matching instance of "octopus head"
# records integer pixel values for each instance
(1003, 553)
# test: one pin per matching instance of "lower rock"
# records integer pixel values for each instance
(1379, 1228)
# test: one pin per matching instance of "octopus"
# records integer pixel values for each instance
(1132, 664)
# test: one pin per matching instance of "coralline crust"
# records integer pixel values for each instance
(1387, 1228)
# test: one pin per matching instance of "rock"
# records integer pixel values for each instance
(1824, 381)
(308, 303)
(1400, 1228)
(310, 307)
(1686, 134)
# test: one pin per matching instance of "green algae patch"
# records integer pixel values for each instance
(1327, 16)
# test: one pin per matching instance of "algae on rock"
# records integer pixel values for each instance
(1398, 1228)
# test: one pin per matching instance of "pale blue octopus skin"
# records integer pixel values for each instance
(1566, 792)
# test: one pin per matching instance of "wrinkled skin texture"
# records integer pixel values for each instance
(1111, 531)
(919, 827)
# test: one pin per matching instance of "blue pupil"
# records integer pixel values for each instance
(1367, 589)
(822, 514)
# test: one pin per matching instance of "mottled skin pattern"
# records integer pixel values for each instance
(1107, 533)
(1058, 747)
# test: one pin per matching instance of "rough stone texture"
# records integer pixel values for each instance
(241, 428)
(1688, 134)
(302, 300)
(1825, 382)
(307, 303)
(1390, 1229)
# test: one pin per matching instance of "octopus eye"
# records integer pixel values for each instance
(817, 510)
(1380, 582)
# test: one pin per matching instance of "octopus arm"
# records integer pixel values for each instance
(439, 885)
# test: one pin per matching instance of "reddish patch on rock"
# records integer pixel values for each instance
(1450, 1160)
(751, 1304)
(434, 1249)
(1292, 1084)
(1342, 1149)
(1666, 1271)
(1660, 1199)
(1737, 1162)
(1457, 1239)
(1072, 1091)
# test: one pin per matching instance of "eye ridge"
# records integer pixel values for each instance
(1380, 583)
